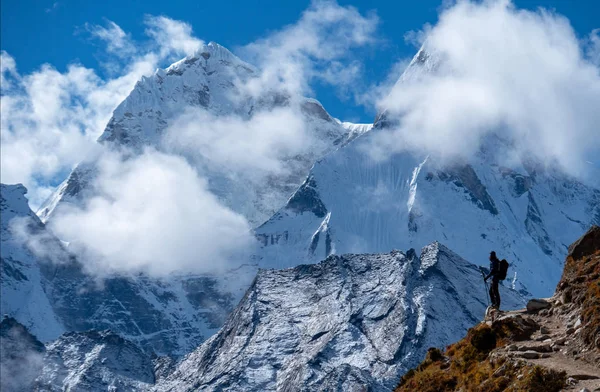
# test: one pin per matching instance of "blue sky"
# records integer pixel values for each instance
(35, 32)
(67, 64)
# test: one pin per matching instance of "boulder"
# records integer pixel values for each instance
(535, 305)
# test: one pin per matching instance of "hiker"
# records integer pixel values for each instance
(495, 275)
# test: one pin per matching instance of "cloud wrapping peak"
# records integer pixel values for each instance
(152, 214)
(50, 119)
(517, 73)
(246, 147)
(172, 36)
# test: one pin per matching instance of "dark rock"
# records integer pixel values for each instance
(586, 245)
(535, 305)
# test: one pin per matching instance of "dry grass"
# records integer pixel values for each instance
(466, 366)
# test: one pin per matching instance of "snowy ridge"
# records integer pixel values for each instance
(354, 130)
(349, 322)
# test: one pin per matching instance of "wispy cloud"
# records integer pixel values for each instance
(117, 41)
(172, 36)
(53, 7)
(317, 47)
(593, 47)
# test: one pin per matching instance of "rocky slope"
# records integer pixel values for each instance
(351, 203)
(21, 356)
(49, 293)
(351, 322)
(552, 345)
(87, 361)
(94, 361)
(212, 82)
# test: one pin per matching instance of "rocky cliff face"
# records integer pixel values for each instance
(351, 322)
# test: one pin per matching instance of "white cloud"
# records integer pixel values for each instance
(518, 73)
(117, 41)
(248, 147)
(593, 47)
(8, 66)
(172, 36)
(152, 214)
(318, 46)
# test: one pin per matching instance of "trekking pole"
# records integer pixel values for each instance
(487, 291)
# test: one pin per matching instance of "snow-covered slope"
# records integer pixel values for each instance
(351, 203)
(352, 322)
(211, 81)
(20, 356)
(166, 316)
(86, 361)
(22, 280)
(94, 361)
(354, 130)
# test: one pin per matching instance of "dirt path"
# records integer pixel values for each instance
(555, 345)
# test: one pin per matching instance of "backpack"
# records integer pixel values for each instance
(503, 270)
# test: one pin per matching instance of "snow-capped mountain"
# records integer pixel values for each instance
(211, 81)
(351, 322)
(351, 203)
(51, 294)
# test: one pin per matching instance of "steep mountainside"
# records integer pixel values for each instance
(22, 280)
(87, 361)
(94, 361)
(211, 81)
(527, 213)
(553, 345)
(167, 316)
(348, 323)
(20, 356)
